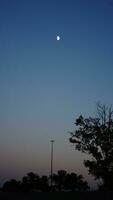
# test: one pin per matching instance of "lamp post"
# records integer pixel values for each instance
(52, 141)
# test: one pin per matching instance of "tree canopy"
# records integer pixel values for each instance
(62, 181)
(94, 136)
(69, 181)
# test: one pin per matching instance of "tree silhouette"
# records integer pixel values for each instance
(63, 181)
(44, 186)
(59, 179)
(11, 186)
(30, 182)
(94, 136)
(75, 182)
(69, 181)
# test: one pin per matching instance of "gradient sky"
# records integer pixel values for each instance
(45, 84)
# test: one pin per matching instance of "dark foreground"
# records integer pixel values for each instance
(57, 196)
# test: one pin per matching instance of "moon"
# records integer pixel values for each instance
(58, 37)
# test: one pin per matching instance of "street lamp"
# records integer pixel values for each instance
(52, 141)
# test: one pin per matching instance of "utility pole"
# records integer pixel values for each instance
(52, 141)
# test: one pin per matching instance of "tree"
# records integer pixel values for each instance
(94, 136)
(69, 181)
(44, 186)
(59, 179)
(30, 182)
(11, 186)
(75, 182)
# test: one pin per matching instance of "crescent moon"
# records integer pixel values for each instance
(58, 37)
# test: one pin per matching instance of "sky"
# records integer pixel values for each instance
(45, 84)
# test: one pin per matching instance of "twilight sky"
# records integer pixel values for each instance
(45, 84)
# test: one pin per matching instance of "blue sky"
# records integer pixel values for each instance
(45, 84)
